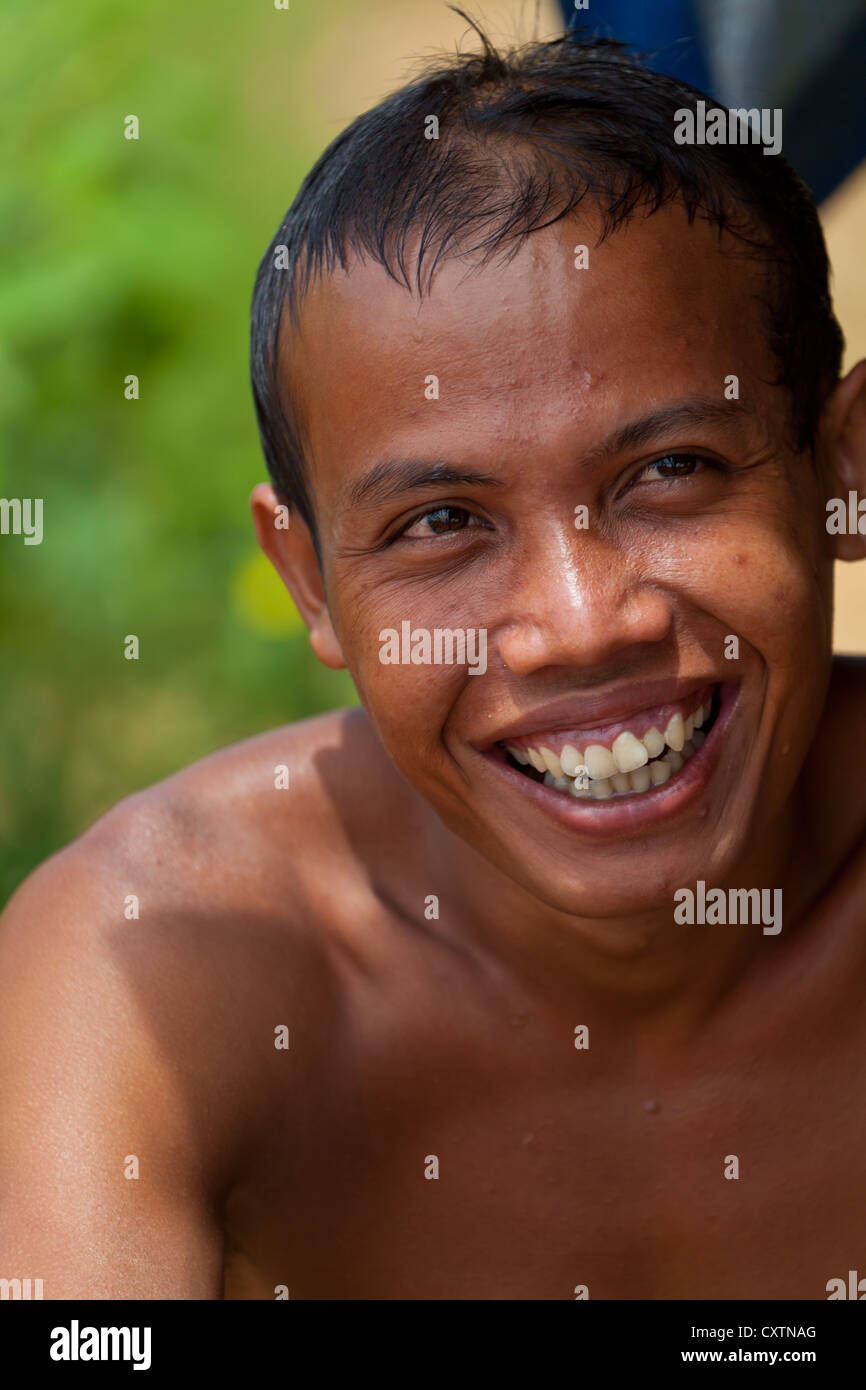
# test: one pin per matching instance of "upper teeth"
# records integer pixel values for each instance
(599, 772)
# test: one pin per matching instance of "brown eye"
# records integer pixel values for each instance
(438, 523)
(674, 466)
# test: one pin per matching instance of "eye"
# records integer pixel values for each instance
(438, 522)
(671, 467)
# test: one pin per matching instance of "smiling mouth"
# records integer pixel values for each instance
(632, 765)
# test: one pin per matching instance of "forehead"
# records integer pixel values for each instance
(527, 354)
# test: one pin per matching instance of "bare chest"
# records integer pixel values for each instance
(431, 1182)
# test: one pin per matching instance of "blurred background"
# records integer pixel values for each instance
(124, 257)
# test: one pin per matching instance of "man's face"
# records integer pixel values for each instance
(699, 584)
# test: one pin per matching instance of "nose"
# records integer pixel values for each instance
(581, 599)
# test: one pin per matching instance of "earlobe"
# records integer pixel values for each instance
(323, 640)
(285, 539)
(844, 448)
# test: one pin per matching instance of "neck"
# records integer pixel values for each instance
(644, 966)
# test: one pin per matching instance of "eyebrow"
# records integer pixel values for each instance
(693, 411)
(393, 477)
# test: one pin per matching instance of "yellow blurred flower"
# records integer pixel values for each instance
(261, 601)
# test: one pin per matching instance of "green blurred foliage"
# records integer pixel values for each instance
(119, 257)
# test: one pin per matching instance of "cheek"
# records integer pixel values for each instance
(764, 583)
(406, 694)
(409, 706)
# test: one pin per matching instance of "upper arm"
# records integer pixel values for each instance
(104, 1182)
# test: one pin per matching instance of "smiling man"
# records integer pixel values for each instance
(411, 1008)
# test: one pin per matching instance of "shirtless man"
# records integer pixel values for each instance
(421, 1025)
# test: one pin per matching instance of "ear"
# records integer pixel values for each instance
(285, 539)
(843, 448)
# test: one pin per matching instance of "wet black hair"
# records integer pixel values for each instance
(524, 136)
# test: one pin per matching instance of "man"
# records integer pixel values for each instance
(539, 976)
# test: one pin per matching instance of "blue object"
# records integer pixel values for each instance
(806, 58)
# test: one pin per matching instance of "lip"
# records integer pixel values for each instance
(619, 815)
(625, 703)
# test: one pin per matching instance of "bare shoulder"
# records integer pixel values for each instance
(212, 836)
(184, 926)
(212, 893)
(146, 972)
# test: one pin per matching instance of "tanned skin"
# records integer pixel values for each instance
(413, 1036)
